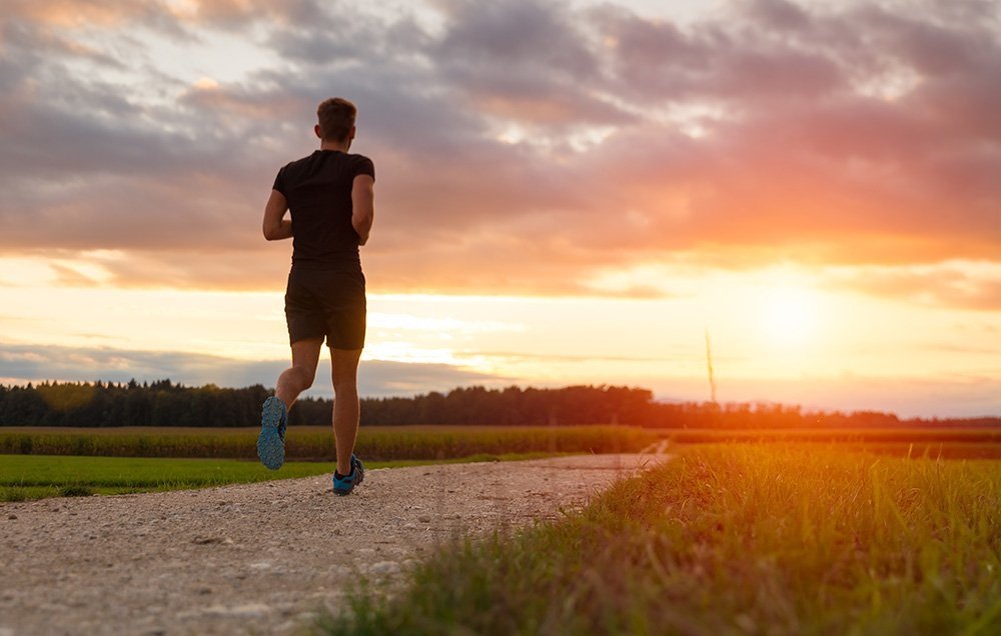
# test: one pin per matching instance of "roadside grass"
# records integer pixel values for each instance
(316, 443)
(729, 539)
(27, 477)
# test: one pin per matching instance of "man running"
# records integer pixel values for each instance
(330, 198)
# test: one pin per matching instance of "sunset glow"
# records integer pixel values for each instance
(789, 316)
(568, 192)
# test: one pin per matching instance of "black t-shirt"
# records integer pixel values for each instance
(318, 191)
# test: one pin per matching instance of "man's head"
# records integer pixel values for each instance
(336, 117)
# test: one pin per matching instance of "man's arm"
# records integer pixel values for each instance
(276, 227)
(363, 206)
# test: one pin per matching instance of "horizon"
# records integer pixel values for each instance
(566, 193)
(805, 410)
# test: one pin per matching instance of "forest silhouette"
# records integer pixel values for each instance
(167, 404)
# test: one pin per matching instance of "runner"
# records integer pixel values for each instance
(330, 199)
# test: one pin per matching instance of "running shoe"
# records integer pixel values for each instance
(343, 485)
(271, 441)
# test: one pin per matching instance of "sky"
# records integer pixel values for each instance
(568, 192)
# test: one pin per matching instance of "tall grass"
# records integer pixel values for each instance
(759, 539)
(317, 443)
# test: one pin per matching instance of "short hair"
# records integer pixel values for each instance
(336, 117)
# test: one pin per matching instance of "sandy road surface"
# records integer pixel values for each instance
(259, 558)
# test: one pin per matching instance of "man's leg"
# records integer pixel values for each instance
(344, 374)
(299, 377)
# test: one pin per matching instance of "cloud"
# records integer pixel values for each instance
(966, 285)
(377, 378)
(523, 61)
(523, 146)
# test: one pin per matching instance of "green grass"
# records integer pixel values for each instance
(26, 477)
(35, 476)
(316, 443)
(730, 539)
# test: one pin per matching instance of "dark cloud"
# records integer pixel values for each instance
(525, 36)
(377, 378)
(525, 61)
(781, 15)
(520, 146)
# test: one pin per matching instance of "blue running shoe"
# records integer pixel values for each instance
(343, 485)
(271, 441)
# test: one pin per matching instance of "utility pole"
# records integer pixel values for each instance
(709, 365)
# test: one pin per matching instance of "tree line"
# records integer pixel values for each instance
(165, 403)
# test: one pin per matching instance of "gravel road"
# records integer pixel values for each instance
(260, 558)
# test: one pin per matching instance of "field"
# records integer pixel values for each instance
(38, 462)
(310, 450)
(731, 539)
(316, 443)
(944, 442)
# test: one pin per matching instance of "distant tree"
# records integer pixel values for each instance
(165, 403)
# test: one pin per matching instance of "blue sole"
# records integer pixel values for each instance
(270, 447)
(361, 471)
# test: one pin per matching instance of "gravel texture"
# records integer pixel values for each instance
(260, 558)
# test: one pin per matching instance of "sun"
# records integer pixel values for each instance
(788, 315)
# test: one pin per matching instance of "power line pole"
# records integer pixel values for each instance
(709, 365)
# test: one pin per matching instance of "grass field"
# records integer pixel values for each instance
(25, 477)
(35, 476)
(316, 443)
(731, 539)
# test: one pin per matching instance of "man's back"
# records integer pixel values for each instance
(318, 190)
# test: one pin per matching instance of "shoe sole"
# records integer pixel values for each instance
(360, 467)
(270, 448)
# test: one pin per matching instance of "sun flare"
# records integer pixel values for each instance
(788, 316)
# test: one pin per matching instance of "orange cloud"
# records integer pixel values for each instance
(73, 13)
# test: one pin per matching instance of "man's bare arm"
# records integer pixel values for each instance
(363, 206)
(276, 227)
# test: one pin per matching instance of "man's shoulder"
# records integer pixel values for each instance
(360, 164)
(299, 162)
(358, 159)
(356, 163)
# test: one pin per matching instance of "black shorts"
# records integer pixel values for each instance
(322, 303)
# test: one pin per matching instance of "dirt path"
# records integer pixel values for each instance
(259, 558)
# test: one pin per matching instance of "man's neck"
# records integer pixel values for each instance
(335, 145)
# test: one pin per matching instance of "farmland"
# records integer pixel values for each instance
(316, 443)
(44, 462)
(944, 442)
(49, 461)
